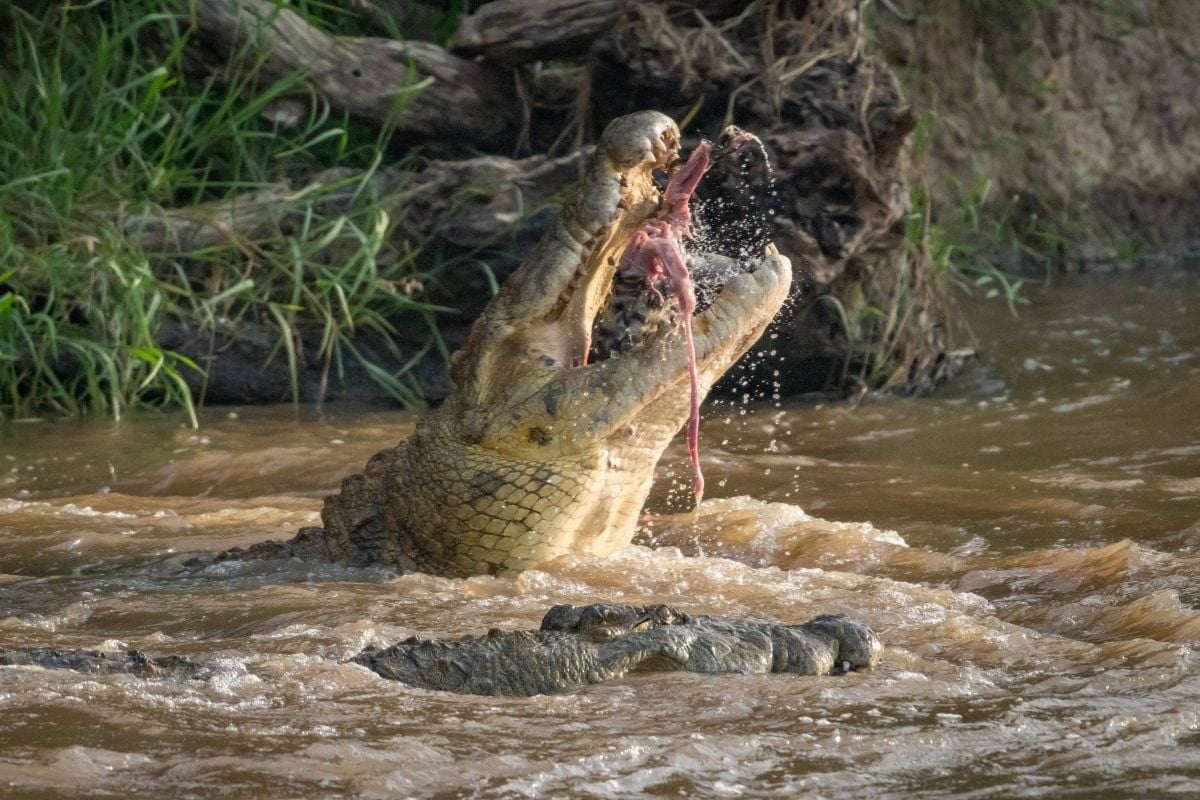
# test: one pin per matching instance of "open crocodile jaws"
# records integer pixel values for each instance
(537, 453)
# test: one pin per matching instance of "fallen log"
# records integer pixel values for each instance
(510, 32)
(466, 203)
(248, 216)
(456, 214)
(417, 86)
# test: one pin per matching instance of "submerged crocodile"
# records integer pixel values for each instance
(575, 647)
(545, 447)
(582, 645)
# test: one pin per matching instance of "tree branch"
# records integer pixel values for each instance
(371, 78)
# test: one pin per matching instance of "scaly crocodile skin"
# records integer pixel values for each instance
(576, 646)
(561, 657)
(468, 510)
(537, 453)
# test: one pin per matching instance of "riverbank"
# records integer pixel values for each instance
(176, 235)
(1059, 135)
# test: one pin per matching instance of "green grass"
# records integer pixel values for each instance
(98, 121)
(980, 246)
(981, 242)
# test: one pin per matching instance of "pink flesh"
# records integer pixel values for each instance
(673, 207)
(656, 253)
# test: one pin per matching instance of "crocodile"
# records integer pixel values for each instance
(576, 646)
(542, 449)
(582, 645)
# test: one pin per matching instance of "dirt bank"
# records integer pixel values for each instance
(1084, 116)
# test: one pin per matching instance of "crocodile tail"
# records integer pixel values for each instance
(102, 662)
(308, 545)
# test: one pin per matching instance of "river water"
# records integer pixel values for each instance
(1027, 545)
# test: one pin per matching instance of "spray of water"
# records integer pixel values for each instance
(738, 233)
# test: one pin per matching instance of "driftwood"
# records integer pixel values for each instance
(247, 216)
(510, 32)
(458, 101)
(451, 208)
(386, 16)
(467, 203)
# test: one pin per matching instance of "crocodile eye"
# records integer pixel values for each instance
(641, 625)
(595, 617)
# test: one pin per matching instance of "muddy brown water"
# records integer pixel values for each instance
(1026, 544)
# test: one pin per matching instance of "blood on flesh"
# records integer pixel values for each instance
(656, 254)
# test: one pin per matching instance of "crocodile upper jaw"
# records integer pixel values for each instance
(532, 341)
(524, 400)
